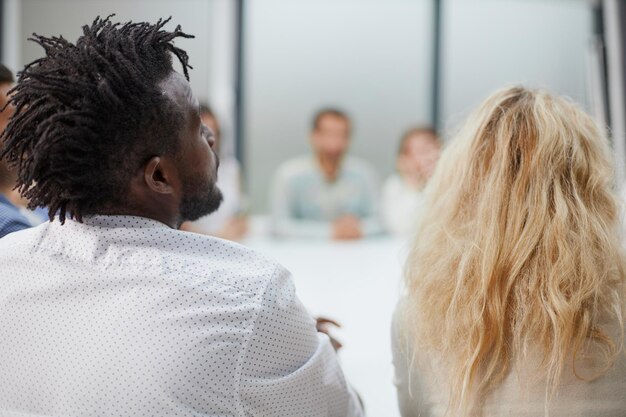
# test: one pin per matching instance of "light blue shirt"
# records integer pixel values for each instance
(11, 220)
(305, 202)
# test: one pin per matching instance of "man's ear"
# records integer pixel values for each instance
(158, 175)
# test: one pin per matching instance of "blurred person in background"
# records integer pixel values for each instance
(402, 195)
(326, 195)
(516, 283)
(11, 217)
(228, 222)
(109, 309)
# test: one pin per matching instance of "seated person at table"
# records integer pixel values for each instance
(11, 219)
(227, 222)
(515, 286)
(328, 194)
(403, 196)
(109, 309)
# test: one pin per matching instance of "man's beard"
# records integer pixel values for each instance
(200, 197)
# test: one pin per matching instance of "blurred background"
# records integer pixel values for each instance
(266, 66)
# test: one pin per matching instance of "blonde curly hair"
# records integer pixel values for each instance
(519, 247)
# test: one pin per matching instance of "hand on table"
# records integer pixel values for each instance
(347, 227)
(323, 326)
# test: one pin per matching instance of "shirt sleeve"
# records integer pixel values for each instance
(290, 369)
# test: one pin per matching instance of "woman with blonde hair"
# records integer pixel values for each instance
(515, 285)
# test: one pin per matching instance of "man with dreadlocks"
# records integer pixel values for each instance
(108, 309)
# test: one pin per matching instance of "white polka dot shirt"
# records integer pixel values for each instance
(124, 316)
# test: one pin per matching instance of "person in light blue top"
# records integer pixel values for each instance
(326, 195)
(11, 220)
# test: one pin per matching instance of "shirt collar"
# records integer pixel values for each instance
(341, 171)
(123, 221)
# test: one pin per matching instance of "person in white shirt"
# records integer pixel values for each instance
(228, 221)
(403, 192)
(109, 309)
(327, 195)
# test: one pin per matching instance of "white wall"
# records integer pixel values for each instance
(66, 17)
(615, 29)
(370, 57)
(11, 32)
(489, 44)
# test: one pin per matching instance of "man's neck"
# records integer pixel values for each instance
(330, 166)
(166, 219)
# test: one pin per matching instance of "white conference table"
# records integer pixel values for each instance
(356, 284)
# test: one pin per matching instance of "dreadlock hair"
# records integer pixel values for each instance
(88, 115)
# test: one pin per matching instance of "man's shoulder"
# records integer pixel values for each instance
(359, 165)
(360, 170)
(295, 167)
(230, 263)
(180, 258)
